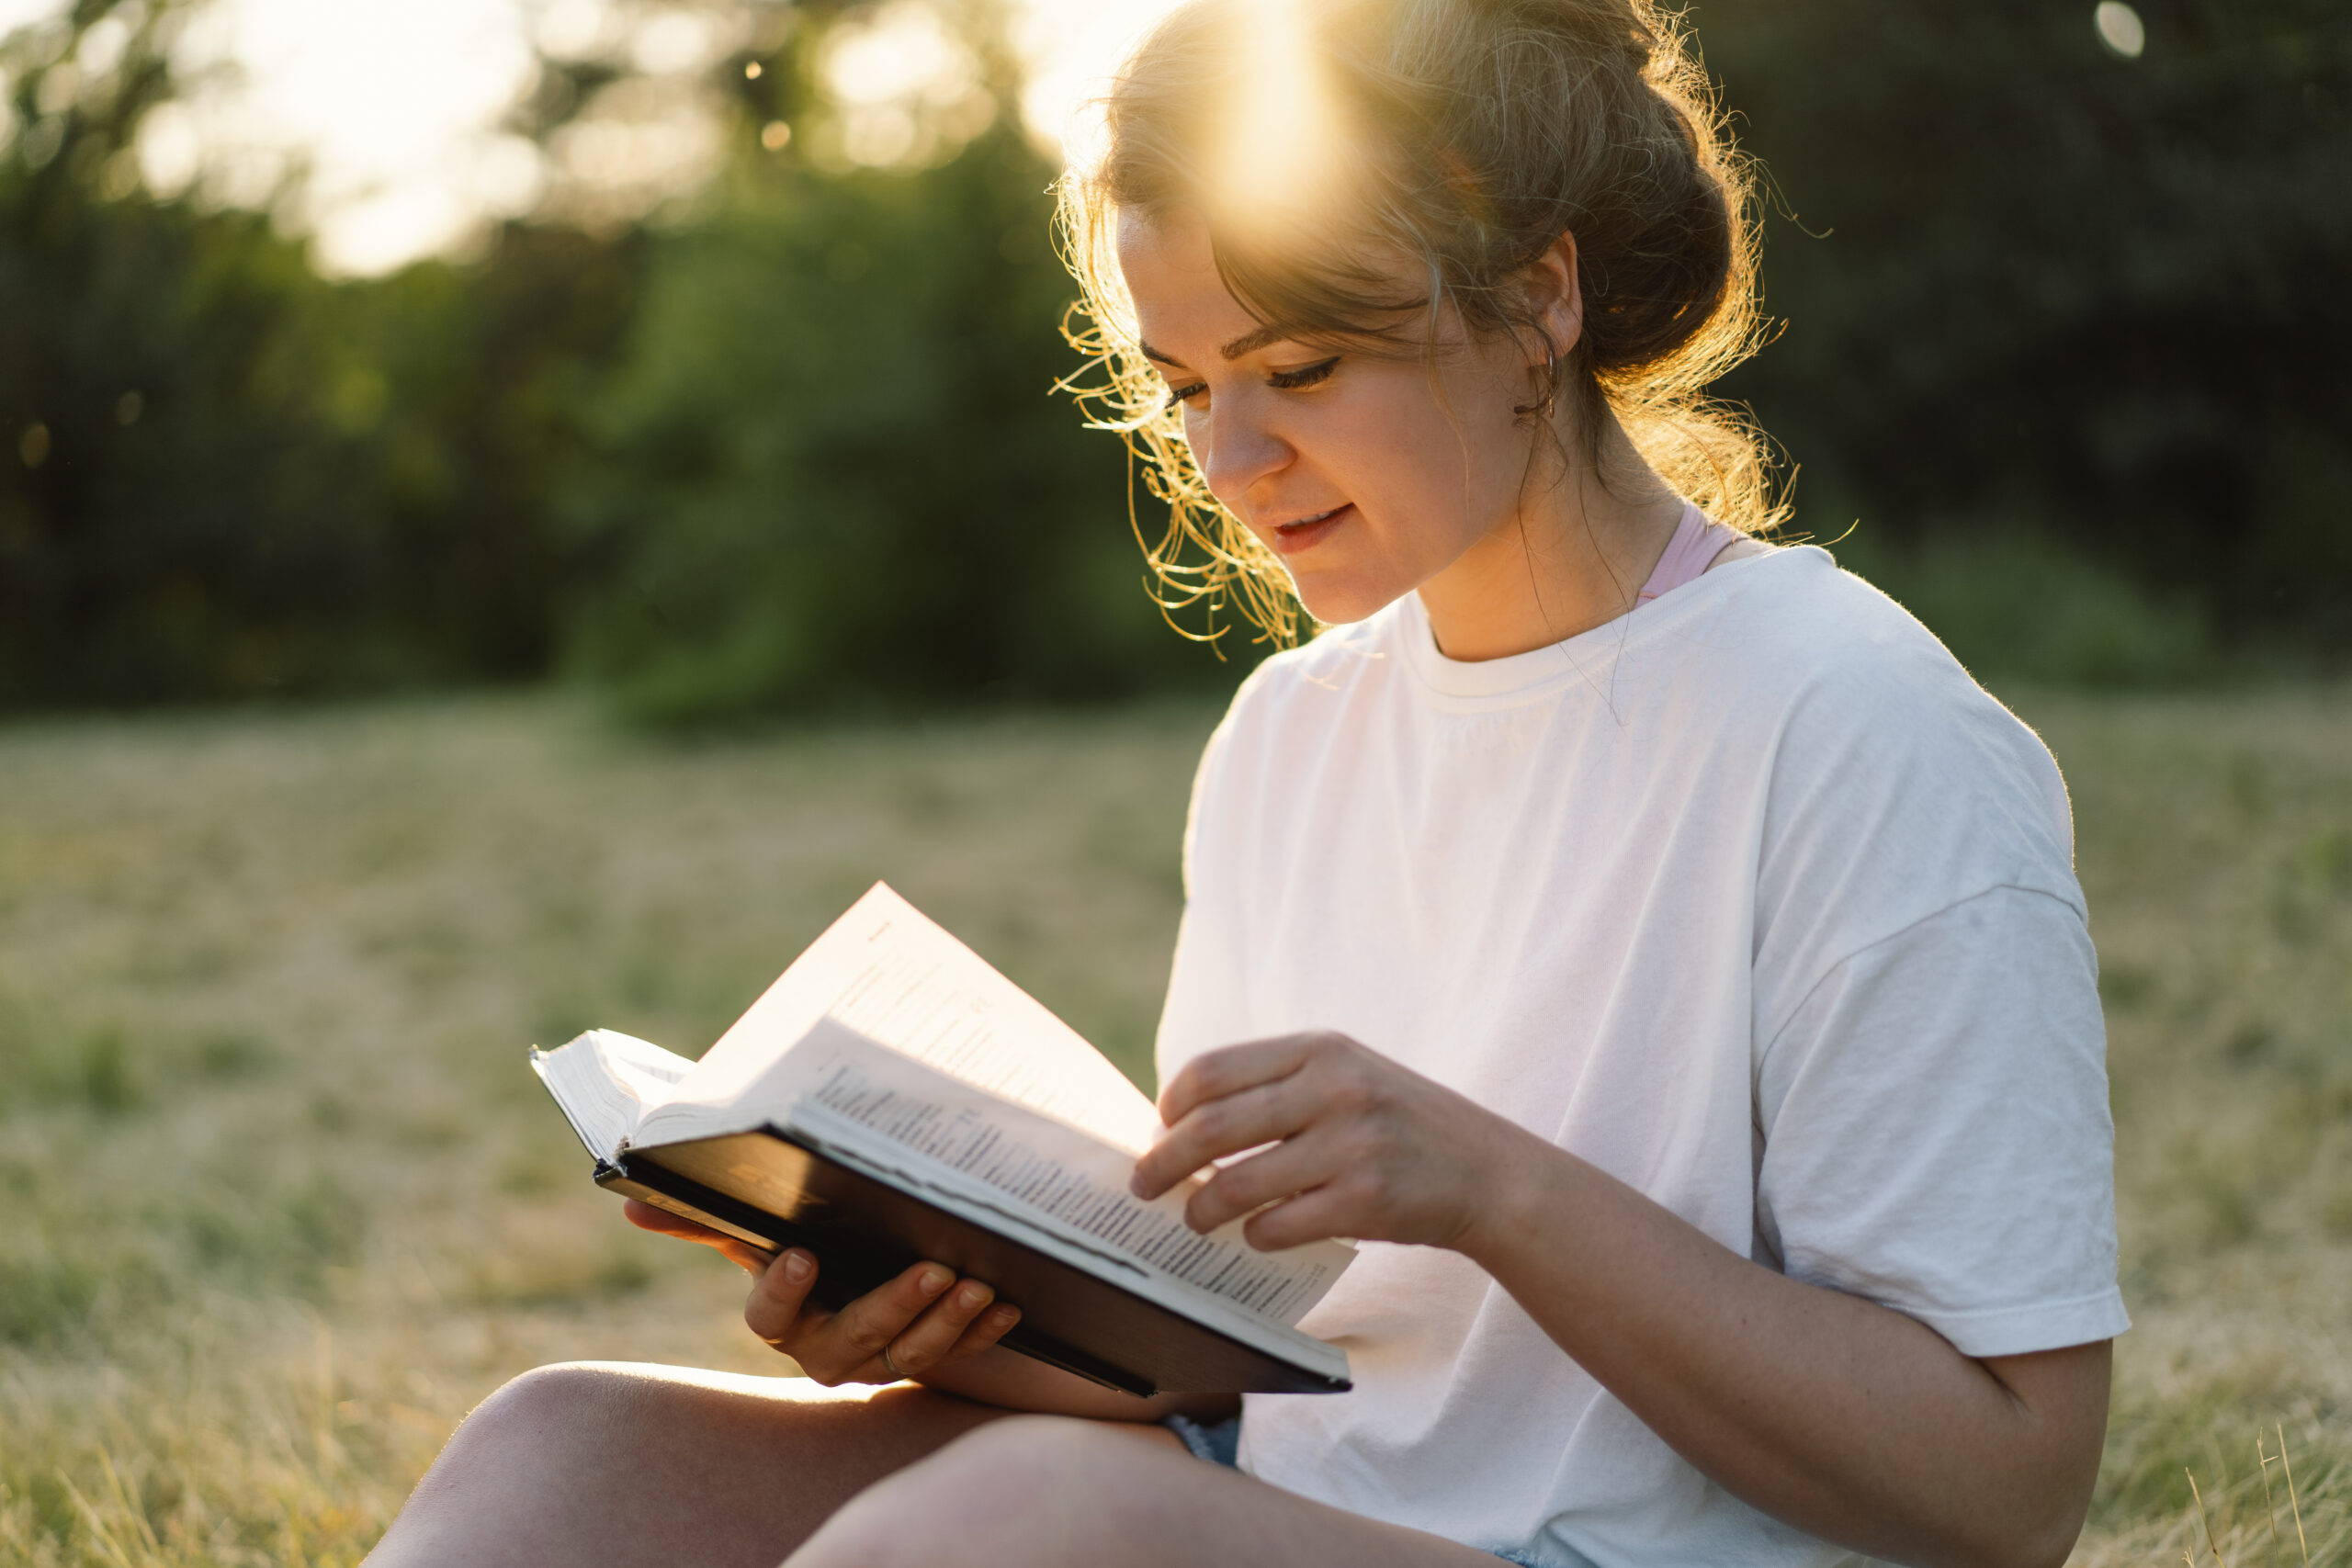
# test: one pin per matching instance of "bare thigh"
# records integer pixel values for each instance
(605, 1461)
(1048, 1492)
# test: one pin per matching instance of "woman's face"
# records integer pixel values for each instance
(1368, 477)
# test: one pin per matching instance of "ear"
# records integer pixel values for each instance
(1553, 299)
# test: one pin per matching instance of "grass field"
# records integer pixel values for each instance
(284, 1201)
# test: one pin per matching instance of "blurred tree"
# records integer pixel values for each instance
(486, 371)
(2053, 313)
(831, 467)
(2032, 282)
(145, 351)
(221, 475)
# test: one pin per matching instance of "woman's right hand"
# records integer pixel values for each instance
(922, 1320)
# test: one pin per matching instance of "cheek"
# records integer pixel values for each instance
(1196, 435)
(1475, 445)
(1422, 464)
(1393, 439)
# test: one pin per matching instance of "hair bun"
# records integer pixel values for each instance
(1479, 132)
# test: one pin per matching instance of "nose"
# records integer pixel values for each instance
(1237, 448)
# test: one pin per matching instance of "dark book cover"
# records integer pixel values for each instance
(777, 1191)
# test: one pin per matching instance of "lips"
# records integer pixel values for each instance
(1306, 532)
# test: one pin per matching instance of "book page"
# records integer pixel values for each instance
(604, 1081)
(986, 1148)
(888, 973)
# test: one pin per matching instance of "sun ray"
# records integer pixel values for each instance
(1277, 152)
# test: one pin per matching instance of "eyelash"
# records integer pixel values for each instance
(1284, 381)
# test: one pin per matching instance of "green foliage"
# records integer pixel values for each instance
(2013, 264)
(832, 468)
(255, 482)
(221, 475)
(2014, 604)
(2063, 329)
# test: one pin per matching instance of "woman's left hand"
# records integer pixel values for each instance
(1361, 1147)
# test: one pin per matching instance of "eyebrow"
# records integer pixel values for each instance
(1247, 342)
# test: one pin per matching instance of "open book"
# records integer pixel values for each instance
(891, 1099)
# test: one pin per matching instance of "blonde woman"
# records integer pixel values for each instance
(1649, 941)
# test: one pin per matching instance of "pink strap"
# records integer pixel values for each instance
(1696, 543)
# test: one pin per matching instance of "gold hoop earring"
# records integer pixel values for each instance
(1542, 407)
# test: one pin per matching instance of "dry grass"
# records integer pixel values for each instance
(2214, 838)
(284, 1202)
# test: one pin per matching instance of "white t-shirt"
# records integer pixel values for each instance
(1753, 899)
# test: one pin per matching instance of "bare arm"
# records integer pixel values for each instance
(1846, 1419)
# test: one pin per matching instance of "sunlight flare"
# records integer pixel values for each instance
(1279, 135)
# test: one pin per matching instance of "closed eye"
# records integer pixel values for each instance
(1305, 376)
(1283, 380)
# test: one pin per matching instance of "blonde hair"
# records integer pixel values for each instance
(1472, 134)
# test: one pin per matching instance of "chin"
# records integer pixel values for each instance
(1344, 603)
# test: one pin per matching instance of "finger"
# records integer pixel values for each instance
(1318, 1215)
(1297, 1166)
(1245, 1120)
(839, 1348)
(752, 1260)
(1213, 1075)
(933, 1337)
(993, 1325)
(645, 1216)
(779, 1296)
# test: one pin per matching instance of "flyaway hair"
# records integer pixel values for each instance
(1325, 141)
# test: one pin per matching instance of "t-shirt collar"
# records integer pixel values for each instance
(1582, 658)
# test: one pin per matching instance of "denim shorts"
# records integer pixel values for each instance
(1220, 1442)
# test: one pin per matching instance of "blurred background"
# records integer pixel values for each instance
(514, 513)
(700, 353)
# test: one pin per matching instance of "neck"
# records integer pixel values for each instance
(1573, 556)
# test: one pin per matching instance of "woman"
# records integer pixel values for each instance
(1650, 943)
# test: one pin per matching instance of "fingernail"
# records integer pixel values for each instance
(934, 1280)
(1004, 1317)
(970, 1297)
(797, 1267)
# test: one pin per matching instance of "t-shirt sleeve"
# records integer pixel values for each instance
(1206, 1004)
(1936, 1131)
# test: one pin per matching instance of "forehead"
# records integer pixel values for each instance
(1183, 306)
(1173, 238)
(1170, 273)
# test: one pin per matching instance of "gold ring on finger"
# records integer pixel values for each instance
(891, 1367)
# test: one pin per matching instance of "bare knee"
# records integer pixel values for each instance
(529, 1439)
(568, 1390)
(546, 1411)
(606, 1461)
(1025, 1479)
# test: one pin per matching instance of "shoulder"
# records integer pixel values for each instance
(1892, 785)
(1792, 620)
(1843, 680)
(1865, 700)
(1298, 695)
(1338, 662)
